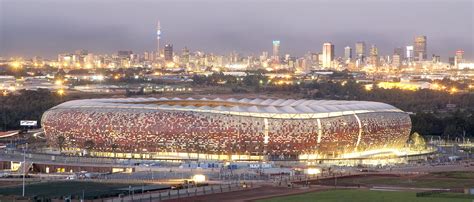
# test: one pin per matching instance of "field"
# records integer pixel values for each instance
(448, 180)
(66, 188)
(362, 196)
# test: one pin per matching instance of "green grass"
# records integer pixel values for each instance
(455, 174)
(419, 182)
(58, 189)
(361, 196)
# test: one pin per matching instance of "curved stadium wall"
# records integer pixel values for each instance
(252, 127)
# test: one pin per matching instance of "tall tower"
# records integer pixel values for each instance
(374, 56)
(276, 51)
(459, 57)
(360, 50)
(409, 54)
(328, 54)
(168, 52)
(158, 36)
(420, 48)
(348, 53)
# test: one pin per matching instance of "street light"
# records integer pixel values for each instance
(61, 93)
(4, 95)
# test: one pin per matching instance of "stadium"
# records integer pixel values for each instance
(226, 129)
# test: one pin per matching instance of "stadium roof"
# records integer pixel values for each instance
(271, 108)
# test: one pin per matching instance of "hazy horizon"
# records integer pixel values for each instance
(48, 27)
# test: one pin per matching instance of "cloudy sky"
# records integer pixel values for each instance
(48, 27)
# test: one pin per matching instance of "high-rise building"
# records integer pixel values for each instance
(459, 57)
(409, 53)
(374, 56)
(168, 52)
(396, 60)
(158, 37)
(435, 58)
(451, 60)
(328, 54)
(360, 50)
(398, 51)
(420, 48)
(185, 57)
(348, 53)
(276, 51)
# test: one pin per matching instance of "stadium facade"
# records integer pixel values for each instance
(226, 128)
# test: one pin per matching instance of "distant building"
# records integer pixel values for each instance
(328, 54)
(168, 52)
(360, 50)
(396, 60)
(347, 53)
(451, 61)
(435, 58)
(374, 56)
(399, 51)
(459, 57)
(409, 53)
(158, 37)
(276, 51)
(420, 48)
(185, 57)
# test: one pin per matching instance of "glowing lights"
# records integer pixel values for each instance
(61, 92)
(368, 87)
(58, 82)
(15, 64)
(98, 77)
(400, 85)
(453, 90)
(313, 171)
(199, 178)
(170, 65)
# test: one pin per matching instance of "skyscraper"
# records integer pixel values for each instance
(459, 57)
(185, 55)
(276, 51)
(409, 53)
(360, 49)
(168, 52)
(328, 54)
(396, 61)
(420, 48)
(158, 37)
(374, 56)
(348, 53)
(398, 51)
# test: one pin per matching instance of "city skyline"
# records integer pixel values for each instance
(31, 31)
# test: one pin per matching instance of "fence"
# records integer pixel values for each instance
(180, 193)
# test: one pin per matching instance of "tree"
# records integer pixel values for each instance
(452, 130)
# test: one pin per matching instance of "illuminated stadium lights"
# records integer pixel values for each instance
(199, 178)
(313, 171)
(231, 129)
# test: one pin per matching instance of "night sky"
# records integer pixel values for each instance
(48, 27)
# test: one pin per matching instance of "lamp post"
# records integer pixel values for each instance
(4, 109)
(61, 93)
(24, 168)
